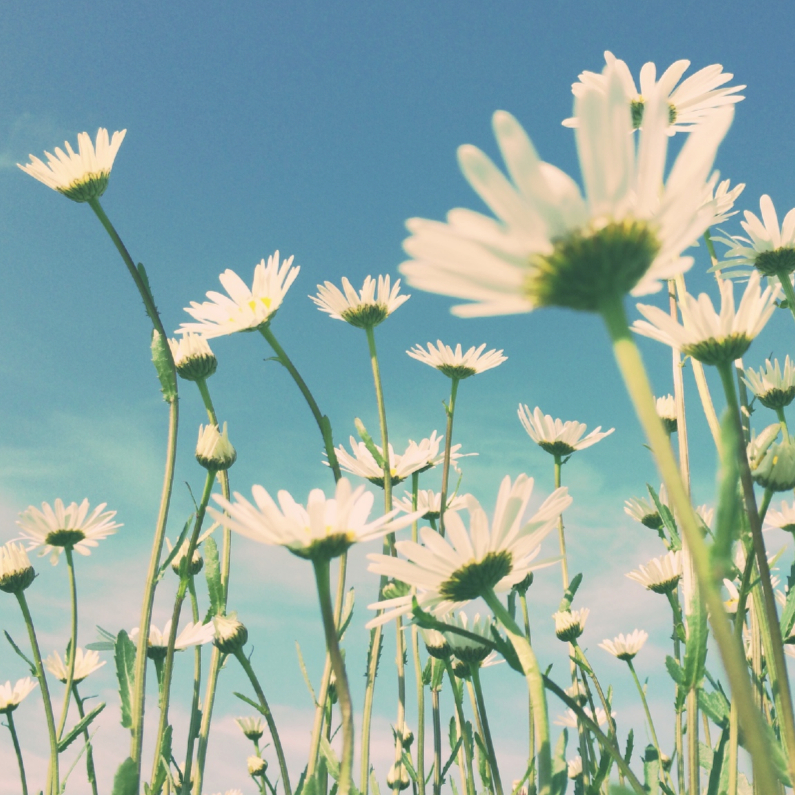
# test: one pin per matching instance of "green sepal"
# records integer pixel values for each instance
(164, 365)
(125, 673)
(125, 782)
(212, 573)
(79, 727)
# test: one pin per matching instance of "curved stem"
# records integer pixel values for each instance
(782, 420)
(322, 421)
(535, 685)
(17, 751)
(70, 671)
(486, 731)
(53, 787)
(193, 729)
(322, 578)
(268, 715)
(90, 771)
(448, 443)
(462, 728)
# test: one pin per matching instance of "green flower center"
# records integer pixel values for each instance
(88, 187)
(718, 351)
(665, 586)
(652, 520)
(557, 448)
(780, 261)
(64, 538)
(777, 398)
(458, 371)
(366, 315)
(589, 268)
(332, 546)
(474, 579)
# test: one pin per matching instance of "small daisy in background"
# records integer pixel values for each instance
(644, 511)
(372, 305)
(86, 662)
(666, 411)
(784, 519)
(431, 503)
(193, 634)
(570, 624)
(16, 573)
(660, 575)
(625, 647)
(455, 363)
(774, 388)
(12, 697)
(556, 437)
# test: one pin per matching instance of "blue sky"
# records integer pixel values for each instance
(317, 129)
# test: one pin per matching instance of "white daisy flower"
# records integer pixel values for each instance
(456, 364)
(660, 575)
(253, 728)
(193, 357)
(569, 717)
(465, 649)
(16, 573)
(721, 199)
(214, 451)
(430, 502)
(783, 519)
(768, 247)
(324, 529)
(625, 647)
(644, 511)
(733, 601)
(555, 436)
(666, 411)
(706, 514)
(574, 767)
(570, 624)
(436, 643)
(72, 526)
(705, 335)
(772, 463)
(86, 662)
(83, 175)
(417, 458)
(191, 635)
(773, 388)
(11, 697)
(256, 765)
(450, 570)
(689, 103)
(243, 309)
(365, 309)
(549, 246)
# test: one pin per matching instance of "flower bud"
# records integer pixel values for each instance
(230, 634)
(214, 451)
(666, 411)
(523, 586)
(193, 358)
(398, 778)
(257, 766)
(775, 468)
(436, 644)
(569, 625)
(16, 573)
(408, 737)
(196, 563)
(252, 728)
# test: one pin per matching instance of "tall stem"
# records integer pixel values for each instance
(70, 671)
(631, 366)
(651, 723)
(415, 644)
(401, 714)
(53, 787)
(531, 738)
(561, 536)
(458, 698)
(437, 742)
(17, 751)
(535, 686)
(448, 443)
(486, 731)
(322, 577)
(193, 728)
(90, 771)
(788, 291)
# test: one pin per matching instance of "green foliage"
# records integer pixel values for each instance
(125, 782)
(79, 728)
(568, 597)
(125, 674)
(729, 503)
(212, 573)
(696, 647)
(560, 771)
(164, 365)
(162, 769)
(20, 653)
(673, 541)
(347, 613)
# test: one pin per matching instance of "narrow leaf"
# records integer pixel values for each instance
(125, 673)
(212, 572)
(20, 653)
(726, 525)
(79, 728)
(302, 666)
(332, 763)
(560, 777)
(369, 443)
(161, 358)
(667, 517)
(568, 597)
(696, 647)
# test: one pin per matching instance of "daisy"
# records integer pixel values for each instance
(660, 575)
(81, 176)
(193, 357)
(450, 570)
(436, 643)
(666, 411)
(456, 364)
(644, 511)
(549, 245)
(72, 527)
(214, 451)
(85, 663)
(569, 717)
(16, 573)
(11, 697)
(569, 624)
(574, 767)
(256, 765)
(243, 309)
(772, 463)
(625, 647)
(703, 334)
(783, 519)
(689, 103)
(192, 635)
(365, 309)
(417, 458)
(253, 728)
(774, 389)
(555, 436)
(722, 199)
(431, 503)
(467, 650)
(768, 247)
(324, 529)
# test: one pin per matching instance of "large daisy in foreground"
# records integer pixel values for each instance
(551, 246)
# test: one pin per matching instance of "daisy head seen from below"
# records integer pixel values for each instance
(455, 363)
(372, 305)
(556, 437)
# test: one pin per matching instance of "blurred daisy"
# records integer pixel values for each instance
(625, 647)
(644, 511)
(466, 649)
(703, 334)
(569, 717)
(783, 519)
(11, 697)
(574, 767)
(365, 309)
(83, 175)
(772, 463)
(452, 570)
(243, 309)
(722, 198)
(666, 411)
(773, 388)
(324, 529)
(456, 364)
(191, 635)
(557, 437)
(660, 575)
(436, 643)
(570, 624)
(431, 503)
(193, 357)
(733, 601)
(86, 662)
(53, 529)
(253, 728)
(16, 573)
(689, 103)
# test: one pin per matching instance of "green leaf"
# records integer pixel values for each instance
(369, 443)
(164, 365)
(667, 517)
(427, 672)
(719, 775)
(108, 644)
(696, 647)
(484, 768)
(630, 746)
(174, 550)
(125, 782)
(568, 597)
(438, 674)
(560, 777)
(455, 744)
(347, 613)
(212, 572)
(374, 783)
(409, 767)
(332, 763)
(125, 673)
(165, 756)
(715, 705)
(302, 666)
(729, 508)
(20, 653)
(79, 728)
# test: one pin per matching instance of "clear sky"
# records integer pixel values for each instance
(318, 129)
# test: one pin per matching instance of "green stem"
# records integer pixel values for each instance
(448, 443)
(651, 723)
(474, 704)
(486, 731)
(70, 671)
(692, 742)
(401, 713)
(379, 398)
(766, 498)
(90, 771)
(322, 421)
(268, 715)
(535, 685)
(53, 787)
(437, 743)
(783, 421)
(373, 654)
(18, 751)
(561, 536)
(415, 644)
(193, 728)
(788, 291)
(322, 578)
(531, 726)
(768, 614)
(458, 699)
(631, 366)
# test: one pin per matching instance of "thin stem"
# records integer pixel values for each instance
(90, 771)
(18, 751)
(70, 671)
(343, 692)
(486, 731)
(531, 739)
(535, 685)
(631, 366)
(373, 654)
(52, 787)
(216, 662)
(789, 293)
(678, 626)
(193, 728)
(448, 442)
(437, 742)
(415, 643)
(462, 728)
(692, 742)
(561, 536)
(401, 714)
(473, 701)
(268, 715)
(782, 420)
(322, 421)
(379, 398)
